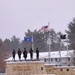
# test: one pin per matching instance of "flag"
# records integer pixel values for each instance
(63, 36)
(44, 28)
(27, 39)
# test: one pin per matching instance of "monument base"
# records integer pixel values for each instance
(25, 68)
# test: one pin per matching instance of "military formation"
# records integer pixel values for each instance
(24, 52)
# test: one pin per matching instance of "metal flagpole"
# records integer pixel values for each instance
(32, 43)
(49, 44)
(60, 48)
(67, 47)
(67, 52)
(60, 52)
(62, 38)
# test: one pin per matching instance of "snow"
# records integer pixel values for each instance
(50, 64)
(43, 55)
(25, 62)
(64, 66)
(56, 54)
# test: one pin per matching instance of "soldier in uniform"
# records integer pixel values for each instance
(37, 53)
(31, 53)
(13, 54)
(19, 54)
(25, 53)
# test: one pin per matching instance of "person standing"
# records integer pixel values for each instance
(37, 53)
(25, 53)
(19, 54)
(13, 54)
(31, 53)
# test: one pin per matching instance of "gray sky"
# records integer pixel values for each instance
(16, 16)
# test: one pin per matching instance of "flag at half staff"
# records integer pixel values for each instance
(27, 39)
(44, 28)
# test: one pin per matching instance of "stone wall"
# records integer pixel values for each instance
(50, 69)
(25, 68)
(37, 68)
(65, 70)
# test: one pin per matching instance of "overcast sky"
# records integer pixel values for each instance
(16, 16)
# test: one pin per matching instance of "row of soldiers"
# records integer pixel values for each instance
(19, 52)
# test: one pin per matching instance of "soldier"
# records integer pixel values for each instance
(37, 53)
(31, 53)
(13, 54)
(25, 53)
(19, 54)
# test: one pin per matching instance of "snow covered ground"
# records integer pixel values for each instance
(43, 55)
(2, 73)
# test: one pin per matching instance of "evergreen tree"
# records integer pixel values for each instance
(15, 43)
(71, 34)
(40, 40)
(71, 37)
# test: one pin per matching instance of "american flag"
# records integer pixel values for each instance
(44, 28)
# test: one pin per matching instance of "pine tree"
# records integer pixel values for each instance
(71, 37)
(71, 34)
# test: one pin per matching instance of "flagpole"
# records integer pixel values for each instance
(61, 49)
(60, 52)
(32, 43)
(67, 47)
(49, 44)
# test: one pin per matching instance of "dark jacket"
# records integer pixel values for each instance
(13, 53)
(25, 53)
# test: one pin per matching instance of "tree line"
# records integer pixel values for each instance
(40, 41)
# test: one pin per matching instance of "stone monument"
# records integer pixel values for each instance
(25, 68)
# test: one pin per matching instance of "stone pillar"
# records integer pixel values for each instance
(50, 69)
(25, 68)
